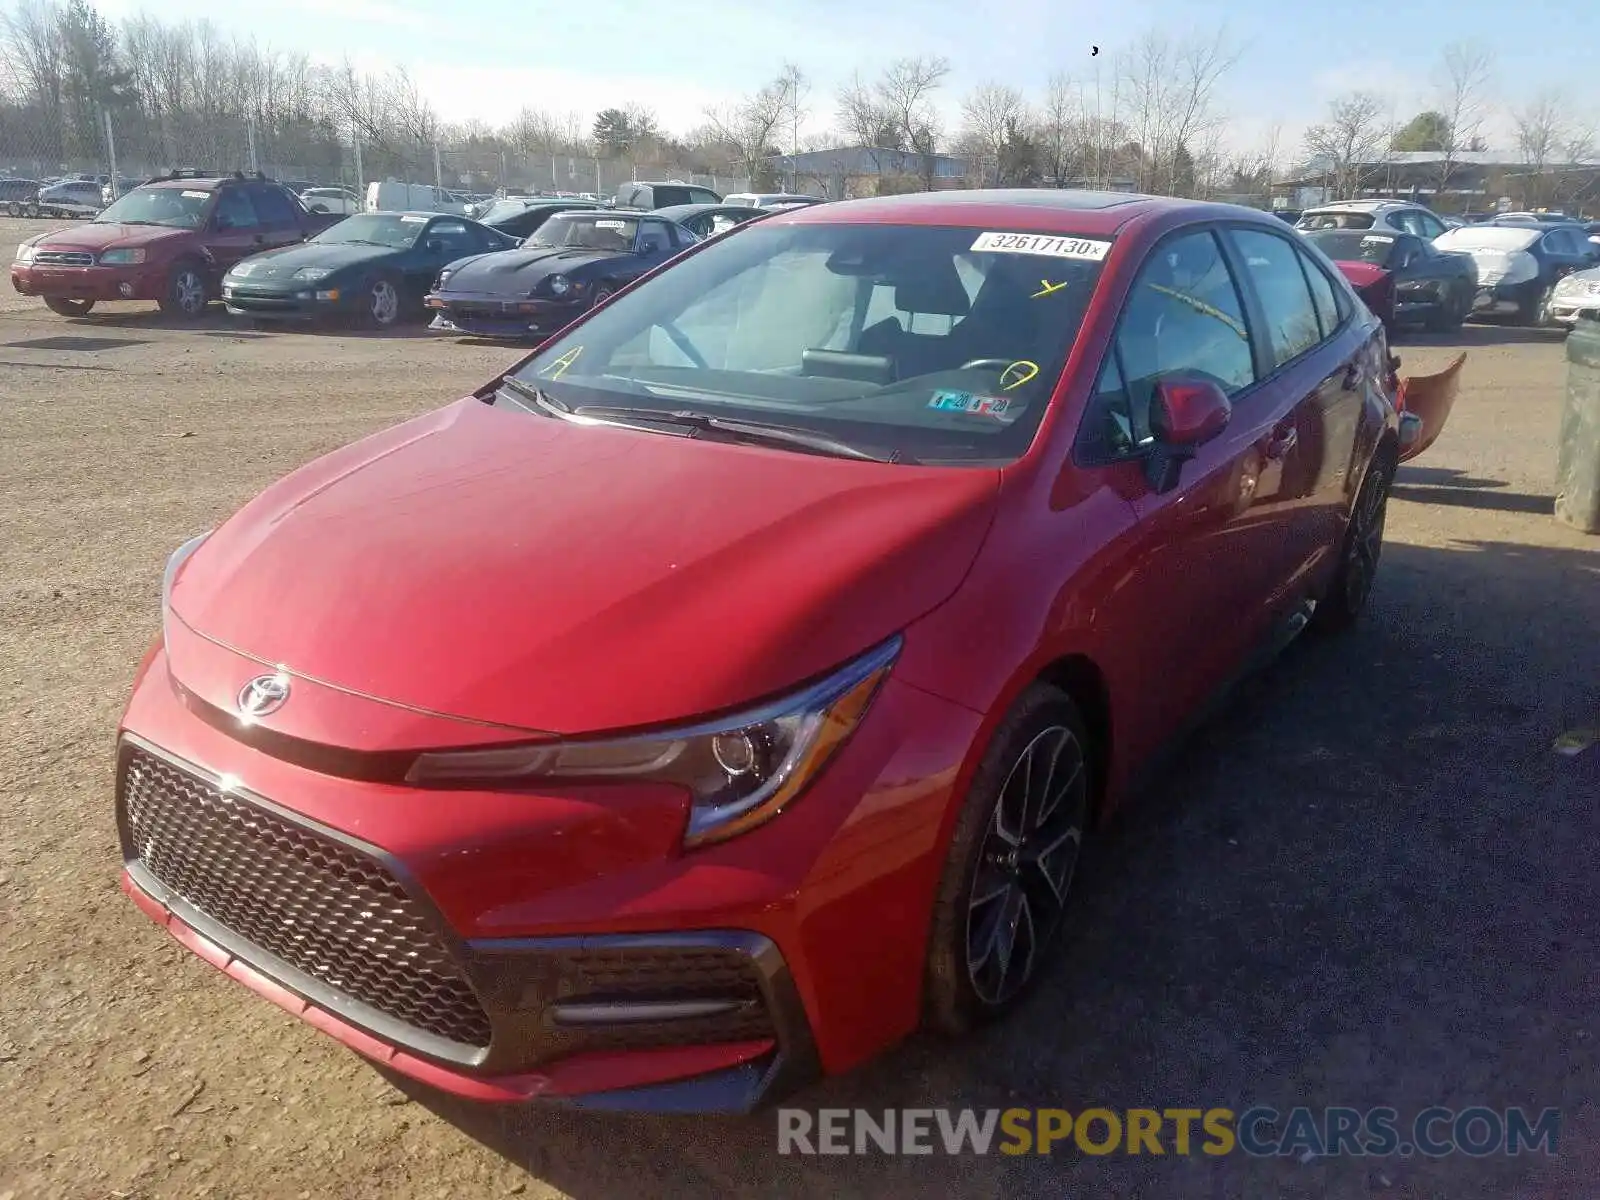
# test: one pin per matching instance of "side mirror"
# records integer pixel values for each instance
(1185, 414)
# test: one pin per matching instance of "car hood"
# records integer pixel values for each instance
(520, 269)
(107, 235)
(285, 261)
(496, 566)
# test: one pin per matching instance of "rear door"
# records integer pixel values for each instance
(1314, 381)
(1203, 562)
(236, 231)
(282, 220)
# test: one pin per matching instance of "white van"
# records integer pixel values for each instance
(391, 196)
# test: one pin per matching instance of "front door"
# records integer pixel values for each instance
(1196, 571)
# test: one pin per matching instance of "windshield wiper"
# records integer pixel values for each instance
(528, 391)
(754, 431)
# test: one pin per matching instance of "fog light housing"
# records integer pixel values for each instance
(302, 295)
(125, 290)
(331, 294)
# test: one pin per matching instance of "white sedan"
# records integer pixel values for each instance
(331, 200)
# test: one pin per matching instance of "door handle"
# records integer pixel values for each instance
(1280, 443)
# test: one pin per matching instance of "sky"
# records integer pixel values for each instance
(487, 58)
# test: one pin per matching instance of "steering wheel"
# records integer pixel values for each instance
(999, 364)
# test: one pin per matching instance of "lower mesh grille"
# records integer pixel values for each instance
(327, 910)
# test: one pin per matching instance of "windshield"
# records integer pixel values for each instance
(941, 344)
(379, 229)
(587, 231)
(1487, 237)
(1335, 220)
(1352, 246)
(181, 208)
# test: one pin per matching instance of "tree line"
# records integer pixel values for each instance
(1148, 115)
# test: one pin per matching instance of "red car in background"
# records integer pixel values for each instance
(728, 688)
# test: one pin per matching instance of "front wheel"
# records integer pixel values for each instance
(61, 306)
(1535, 310)
(1452, 311)
(381, 308)
(1358, 556)
(601, 295)
(186, 292)
(1010, 865)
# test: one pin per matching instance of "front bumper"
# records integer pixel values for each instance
(134, 282)
(1568, 309)
(496, 317)
(299, 304)
(514, 956)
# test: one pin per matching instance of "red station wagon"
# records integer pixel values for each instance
(727, 689)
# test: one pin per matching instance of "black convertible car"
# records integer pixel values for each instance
(708, 220)
(373, 267)
(1404, 271)
(521, 216)
(573, 262)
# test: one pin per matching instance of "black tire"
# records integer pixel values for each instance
(382, 304)
(14, 208)
(186, 294)
(1360, 551)
(601, 294)
(1450, 314)
(64, 307)
(1535, 310)
(997, 890)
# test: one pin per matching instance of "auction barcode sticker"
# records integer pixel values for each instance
(1087, 249)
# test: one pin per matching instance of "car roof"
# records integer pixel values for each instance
(1035, 209)
(677, 212)
(1364, 206)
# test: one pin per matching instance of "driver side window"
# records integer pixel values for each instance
(234, 211)
(1183, 316)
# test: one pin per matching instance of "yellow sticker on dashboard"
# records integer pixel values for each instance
(1018, 373)
(561, 364)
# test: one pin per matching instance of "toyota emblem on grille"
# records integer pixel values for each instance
(263, 696)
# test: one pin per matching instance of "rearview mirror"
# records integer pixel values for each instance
(1185, 414)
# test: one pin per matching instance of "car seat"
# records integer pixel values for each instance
(928, 286)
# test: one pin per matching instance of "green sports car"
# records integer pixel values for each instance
(373, 268)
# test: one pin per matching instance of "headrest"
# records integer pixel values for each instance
(931, 286)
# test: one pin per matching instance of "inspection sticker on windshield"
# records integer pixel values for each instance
(414, 220)
(1087, 249)
(197, 195)
(966, 402)
(1378, 238)
(610, 224)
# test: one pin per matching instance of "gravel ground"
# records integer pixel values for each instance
(1368, 881)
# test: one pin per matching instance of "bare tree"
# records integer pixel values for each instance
(796, 88)
(991, 113)
(905, 95)
(865, 121)
(1349, 140)
(1465, 74)
(32, 55)
(1540, 131)
(1169, 92)
(748, 125)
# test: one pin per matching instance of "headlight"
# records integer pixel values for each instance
(240, 270)
(25, 253)
(113, 257)
(170, 575)
(312, 274)
(560, 285)
(444, 278)
(740, 771)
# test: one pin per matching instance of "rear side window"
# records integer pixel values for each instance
(1183, 316)
(1273, 266)
(234, 211)
(274, 207)
(1330, 313)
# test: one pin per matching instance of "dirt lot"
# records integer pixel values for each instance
(1370, 881)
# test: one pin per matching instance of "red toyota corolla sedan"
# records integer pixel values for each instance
(726, 689)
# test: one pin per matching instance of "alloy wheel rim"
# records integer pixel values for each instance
(385, 302)
(190, 292)
(1025, 864)
(1366, 540)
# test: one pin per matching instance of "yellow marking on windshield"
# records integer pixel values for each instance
(1024, 370)
(561, 364)
(1046, 287)
(1200, 306)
